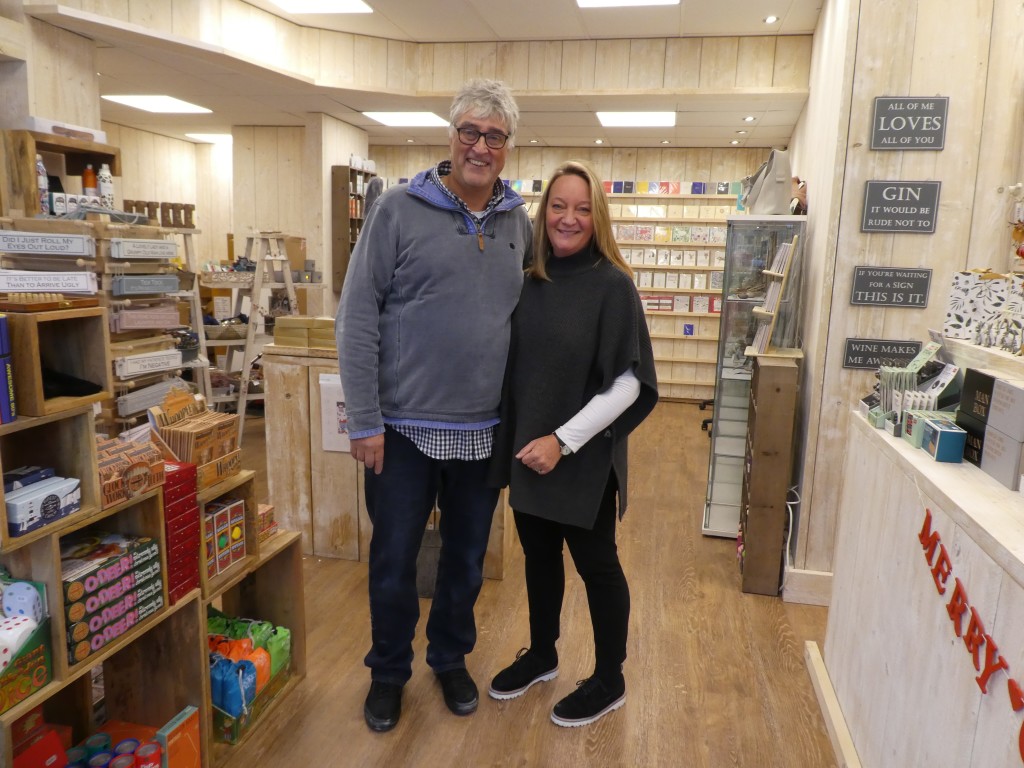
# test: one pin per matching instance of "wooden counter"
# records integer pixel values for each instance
(929, 566)
(318, 492)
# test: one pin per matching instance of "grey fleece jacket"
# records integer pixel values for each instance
(424, 320)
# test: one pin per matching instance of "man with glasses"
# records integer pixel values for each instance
(423, 333)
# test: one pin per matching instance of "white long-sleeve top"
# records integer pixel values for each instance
(603, 408)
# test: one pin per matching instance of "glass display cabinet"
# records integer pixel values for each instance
(751, 245)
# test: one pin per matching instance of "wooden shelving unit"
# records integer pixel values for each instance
(768, 470)
(62, 156)
(159, 665)
(348, 198)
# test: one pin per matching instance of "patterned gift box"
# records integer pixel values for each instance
(974, 298)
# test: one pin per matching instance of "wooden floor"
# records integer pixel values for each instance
(714, 677)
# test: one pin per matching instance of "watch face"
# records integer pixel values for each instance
(566, 450)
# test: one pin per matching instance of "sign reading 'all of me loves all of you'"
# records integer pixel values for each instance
(909, 122)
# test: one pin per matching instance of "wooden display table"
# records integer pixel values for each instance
(318, 492)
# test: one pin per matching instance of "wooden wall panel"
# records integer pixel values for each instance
(370, 64)
(481, 60)
(912, 48)
(792, 61)
(545, 63)
(682, 63)
(424, 67)
(337, 59)
(401, 66)
(154, 14)
(718, 59)
(449, 67)
(268, 179)
(62, 82)
(513, 65)
(750, 57)
(1001, 164)
(647, 63)
(578, 63)
(611, 70)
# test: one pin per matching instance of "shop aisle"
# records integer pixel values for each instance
(714, 677)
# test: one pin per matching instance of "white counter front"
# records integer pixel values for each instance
(925, 640)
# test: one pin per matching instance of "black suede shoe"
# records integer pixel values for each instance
(383, 706)
(591, 701)
(517, 678)
(460, 692)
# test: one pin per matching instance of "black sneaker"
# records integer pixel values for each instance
(517, 678)
(383, 706)
(591, 701)
(460, 693)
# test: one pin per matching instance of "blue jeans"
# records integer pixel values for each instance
(398, 502)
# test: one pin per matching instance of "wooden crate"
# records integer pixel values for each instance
(75, 342)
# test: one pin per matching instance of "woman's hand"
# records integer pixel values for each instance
(541, 455)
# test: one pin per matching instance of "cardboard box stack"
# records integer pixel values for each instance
(181, 516)
(303, 331)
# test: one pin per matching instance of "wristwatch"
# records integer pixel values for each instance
(565, 449)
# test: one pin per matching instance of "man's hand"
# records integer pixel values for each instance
(370, 451)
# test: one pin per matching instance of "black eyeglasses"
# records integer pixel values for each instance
(471, 136)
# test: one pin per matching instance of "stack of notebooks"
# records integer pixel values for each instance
(303, 331)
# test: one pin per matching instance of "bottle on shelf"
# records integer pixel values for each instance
(43, 182)
(89, 182)
(105, 180)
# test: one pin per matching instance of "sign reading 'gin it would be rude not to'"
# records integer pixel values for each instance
(900, 206)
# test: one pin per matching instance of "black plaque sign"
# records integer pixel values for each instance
(900, 206)
(890, 286)
(872, 353)
(909, 122)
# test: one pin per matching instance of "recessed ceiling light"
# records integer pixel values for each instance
(637, 119)
(749, 119)
(735, 141)
(210, 138)
(665, 141)
(599, 141)
(622, 3)
(742, 133)
(322, 6)
(162, 104)
(410, 141)
(533, 141)
(771, 19)
(408, 119)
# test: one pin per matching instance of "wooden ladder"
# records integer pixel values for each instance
(201, 367)
(267, 251)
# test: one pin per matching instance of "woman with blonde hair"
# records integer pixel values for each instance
(580, 378)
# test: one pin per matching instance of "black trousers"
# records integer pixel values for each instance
(597, 561)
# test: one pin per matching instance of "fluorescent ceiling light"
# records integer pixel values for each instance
(161, 104)
(210, 138)
(637, 119)
(322, 6)
(408, 119)
(622, 3)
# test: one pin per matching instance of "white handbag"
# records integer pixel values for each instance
(769, 190)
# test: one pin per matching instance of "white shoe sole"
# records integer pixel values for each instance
(506, 695)
(565, 723)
